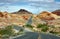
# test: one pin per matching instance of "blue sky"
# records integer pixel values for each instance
(34, 6)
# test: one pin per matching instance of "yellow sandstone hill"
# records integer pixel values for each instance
(22, 16)
(17, 19)
(47, 16)
(50, 18)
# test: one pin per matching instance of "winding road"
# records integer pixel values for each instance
(34, 35)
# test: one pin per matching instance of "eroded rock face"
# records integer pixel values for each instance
(4, 15)
(46, 16)
(57, 12)
(17, 19)
(1, 15)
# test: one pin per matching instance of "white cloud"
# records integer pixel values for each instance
(5, 3)
(49, 0)
(34, 0)
(17, 1)
(13, 0)
(30, 0)
(41, 0)
(1, 3)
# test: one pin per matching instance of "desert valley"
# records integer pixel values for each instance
(45, 21)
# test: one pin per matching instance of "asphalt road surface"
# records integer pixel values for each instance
(48, 36)
(32, 35)
(28, 35)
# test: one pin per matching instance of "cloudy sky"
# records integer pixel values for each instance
(34, 6)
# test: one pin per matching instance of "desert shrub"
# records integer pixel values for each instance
(29, 26)
(44, 27)
(41, 25)
(7, 31)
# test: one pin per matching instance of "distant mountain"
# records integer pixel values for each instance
(22, 11)
(57, 12)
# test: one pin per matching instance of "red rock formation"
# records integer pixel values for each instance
(46, 16)
(25, 17)
(57, 12)
(1, 14)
